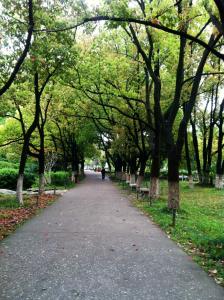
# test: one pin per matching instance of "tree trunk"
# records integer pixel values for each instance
(118, 167)
(188, 161)
(26, 142)
(41, 183)
(173, 180)
(154, 177)
(75, 161)
(23, 158)
(219, 167)
(77, 174)
(108, 160)
(123, 176)
(124, 168)
(205, 177)
(127, 177)
(132, 179)
(73, 176)
(133, 169)
(173, 195)
(196, 150)
(82, 167)
(19, 189)
(190, 181)
(154, 188)
(219, 181)
(141, 175)
(41, 160)
(174, 155)
(49, 176)
(207, 170)
(139, 181)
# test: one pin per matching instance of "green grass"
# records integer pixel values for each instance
(60, 187)
(199, 224)
(10, 202)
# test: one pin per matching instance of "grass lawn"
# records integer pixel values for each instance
(12, 215)
(199, 225)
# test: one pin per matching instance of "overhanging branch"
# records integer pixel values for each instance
(150, 23)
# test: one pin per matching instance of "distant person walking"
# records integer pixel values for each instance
(103, 172)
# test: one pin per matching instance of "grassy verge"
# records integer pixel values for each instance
(12, 215)
(67, 186)
(200, 225)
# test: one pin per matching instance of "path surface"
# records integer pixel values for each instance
(92, 244)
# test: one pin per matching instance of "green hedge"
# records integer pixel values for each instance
(8, 179)
(7, 164)
(60, 178)
(31, 167)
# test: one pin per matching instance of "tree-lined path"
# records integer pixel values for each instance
(92, 244)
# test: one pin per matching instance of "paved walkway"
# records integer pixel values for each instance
(92, 244)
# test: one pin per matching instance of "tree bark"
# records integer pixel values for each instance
(41, 160)
(154, 179)
(41, 183)
(173, 195)
(219, 181)
(154, 188)
(82, 167)
(23, 158)
(188, 161)
(75, 161)
(196, 149)
(141, 175)
(173, 179)
(132, 178)
(19, 189)
(139, 181)
(124, 168)
(118, 167)
(219, 162)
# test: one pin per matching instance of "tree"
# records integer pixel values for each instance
(27, 42)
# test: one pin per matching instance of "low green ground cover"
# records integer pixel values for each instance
(199, 226)
(9, 201)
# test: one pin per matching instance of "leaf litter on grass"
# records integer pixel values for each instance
(12, 215)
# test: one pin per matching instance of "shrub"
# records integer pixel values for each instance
(60, 178)
(29, 179)
(7, 164)
(8, 179)
(31, 167)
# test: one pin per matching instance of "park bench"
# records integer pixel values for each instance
(133, 186)
(142, 191)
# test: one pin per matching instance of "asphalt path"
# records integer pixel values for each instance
(92, 244)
